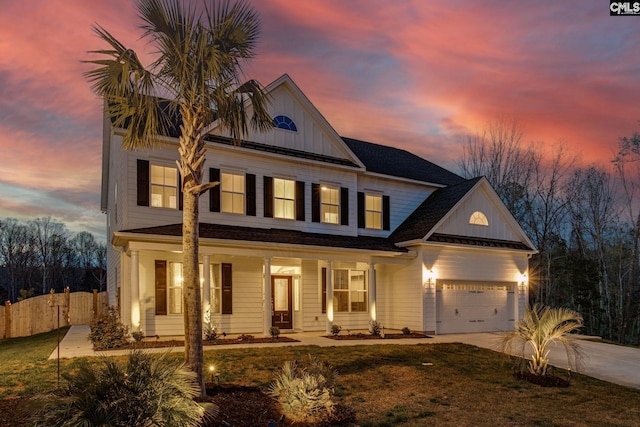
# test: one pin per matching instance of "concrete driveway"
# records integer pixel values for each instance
(608, 362)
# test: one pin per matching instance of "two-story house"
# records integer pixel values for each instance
(308, 229)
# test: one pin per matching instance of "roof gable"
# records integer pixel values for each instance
(444, 217)
(313, 135)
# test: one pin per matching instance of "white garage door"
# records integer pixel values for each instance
(471, 306)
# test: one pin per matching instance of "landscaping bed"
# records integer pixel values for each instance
(246, 339)
(363, 336)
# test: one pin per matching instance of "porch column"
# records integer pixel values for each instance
(372, 292)
(267, 308)
(135, 292)
(206, 289)
(329, 297)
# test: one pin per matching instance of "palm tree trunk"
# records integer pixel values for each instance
(192, 299)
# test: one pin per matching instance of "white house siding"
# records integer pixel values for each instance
(404, 198)
(247, 297)
(481, 265)
(311, 297)
(500, 225)
(399, 294)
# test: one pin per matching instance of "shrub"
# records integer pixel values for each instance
(406, 331)
(142, 391)
(539, 329)
(304, 393)
(107, 331)
(210, 331)
(274, 331)
(137, 336)
(335, 330)
(375, 328)
(246, 338)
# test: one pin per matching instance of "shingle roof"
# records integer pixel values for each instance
(477, 241)
(396, 162)
(431, 211)
(271, 235)
(281, 150)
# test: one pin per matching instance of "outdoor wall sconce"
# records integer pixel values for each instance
(430, 281)
(456, 311)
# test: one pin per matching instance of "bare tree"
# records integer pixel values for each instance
(16, 254)
(592, 208)
(628, 157)
(48, 237)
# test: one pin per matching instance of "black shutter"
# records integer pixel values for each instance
(344, 206)
(315, 202)
(250, 193)
(227, 285)
(300, 214)
(361, 213)
(180, 194)
(324, 289)
(268, 197)
(143, 182)
(214, 193)
(386, 213)
(161, 287)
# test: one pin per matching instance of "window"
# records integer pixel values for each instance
(175, 287)
(164, 187)
(330, 204)
(284, 122)
(349, 291)
(284, 195)
(478, 218)
(373, 211)
(232, 187)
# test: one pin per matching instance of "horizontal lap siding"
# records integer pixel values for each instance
(399, 296)
(247, 297)
(311, 295)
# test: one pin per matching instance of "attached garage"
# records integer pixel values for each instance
(474, 306)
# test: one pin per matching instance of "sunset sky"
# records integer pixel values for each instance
(415, 74)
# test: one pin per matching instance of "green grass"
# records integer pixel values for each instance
(386, 385)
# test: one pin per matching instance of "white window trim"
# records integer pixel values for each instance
(233, 192)
(366, 211)
(329, 187)
(349, 290)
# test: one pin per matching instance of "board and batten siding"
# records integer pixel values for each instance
(499, 224)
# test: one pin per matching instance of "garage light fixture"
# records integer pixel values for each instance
(430, 277)
(522, 280)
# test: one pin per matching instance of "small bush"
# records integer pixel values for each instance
(210, 331)
(246, 338)
(304, 393)
(335, 330)
(137, 336)
(375, 328)
(274, 331)
(406, 331)
(143, 391)
(107, 331)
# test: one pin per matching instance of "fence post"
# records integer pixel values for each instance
(7, 319)
(95, 303)
(67, 305)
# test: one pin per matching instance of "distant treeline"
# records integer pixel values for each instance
(39, 255)
(584, 220)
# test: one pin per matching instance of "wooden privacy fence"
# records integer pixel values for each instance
(40, 314)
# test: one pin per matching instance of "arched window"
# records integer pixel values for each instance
(478, 218)
(284, 122)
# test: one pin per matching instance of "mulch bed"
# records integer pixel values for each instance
(361, 336)
(222, 341)
(240, 405)
(542, 380)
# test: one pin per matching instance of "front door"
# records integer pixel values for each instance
(281, 302)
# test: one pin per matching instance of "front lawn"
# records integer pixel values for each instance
(386, 385)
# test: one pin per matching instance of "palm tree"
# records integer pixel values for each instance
(198, 73)
(540, 327)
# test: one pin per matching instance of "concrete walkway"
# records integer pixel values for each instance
(608, 362)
